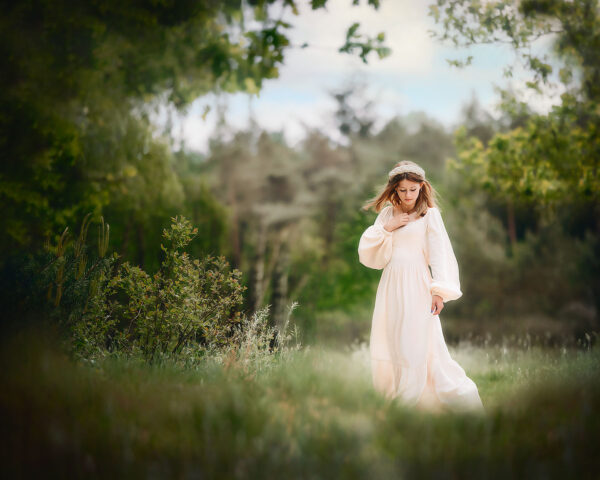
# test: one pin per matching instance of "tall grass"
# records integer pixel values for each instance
(311, 414)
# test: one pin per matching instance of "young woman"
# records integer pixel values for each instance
(409, 357)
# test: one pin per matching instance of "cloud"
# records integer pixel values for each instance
(404, 22)
(416, 77)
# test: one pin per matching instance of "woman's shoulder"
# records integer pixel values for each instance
(386, 210)
(431, 211)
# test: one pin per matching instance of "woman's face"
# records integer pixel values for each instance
(408, 191)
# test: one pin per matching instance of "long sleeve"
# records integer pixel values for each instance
(444, 267)
(375, 245)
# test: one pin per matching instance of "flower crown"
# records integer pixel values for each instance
(407, 169)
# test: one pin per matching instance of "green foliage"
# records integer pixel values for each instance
(345, 283)
(550, 159)
(573, 27)
(548, 273)
(187, 301)
(354, 42)
(77, 91)
(71, 276)
(542, 168)
(461, 63)
(102, 310)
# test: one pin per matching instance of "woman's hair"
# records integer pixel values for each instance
(427, 195)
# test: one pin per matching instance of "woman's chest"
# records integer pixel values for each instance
(413, 233)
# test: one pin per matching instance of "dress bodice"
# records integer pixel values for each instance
(419, 243)
(408, 243)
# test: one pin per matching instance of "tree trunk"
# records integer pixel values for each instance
(512, 229)
(329, 231)
(280, 287)
(258, 269)
(125, 242)
(141, 244)
(235, 231)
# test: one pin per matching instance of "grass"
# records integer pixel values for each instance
(312, 414)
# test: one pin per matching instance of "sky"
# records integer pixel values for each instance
(416, 77)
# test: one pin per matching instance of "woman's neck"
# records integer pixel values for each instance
(403, 210)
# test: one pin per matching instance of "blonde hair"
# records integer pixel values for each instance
(427, 194)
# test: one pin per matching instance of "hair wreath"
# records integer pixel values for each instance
(406, 169)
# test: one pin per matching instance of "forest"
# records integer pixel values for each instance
(176, 313)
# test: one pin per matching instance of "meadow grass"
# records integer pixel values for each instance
(310, 413)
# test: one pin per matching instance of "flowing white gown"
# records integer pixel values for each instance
(409, 356)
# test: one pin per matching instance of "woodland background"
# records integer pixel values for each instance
(519, 197)
(519, 193)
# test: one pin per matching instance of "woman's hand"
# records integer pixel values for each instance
(397, 221)
(437, 304)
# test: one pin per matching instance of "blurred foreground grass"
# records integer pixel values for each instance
(313, 414)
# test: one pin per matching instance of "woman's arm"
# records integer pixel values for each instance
(375, 245)
(444, 267)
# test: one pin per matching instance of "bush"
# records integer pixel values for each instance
(189, 307)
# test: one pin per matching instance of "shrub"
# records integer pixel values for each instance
(188, 307)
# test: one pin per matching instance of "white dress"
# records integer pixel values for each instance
(409, 356)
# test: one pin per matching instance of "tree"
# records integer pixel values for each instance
(551, 157)
(78, 84)
(546, 162)
(354, 115)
